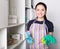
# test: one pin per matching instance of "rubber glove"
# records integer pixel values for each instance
(29, 39)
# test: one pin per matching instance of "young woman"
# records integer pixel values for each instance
(40, 26)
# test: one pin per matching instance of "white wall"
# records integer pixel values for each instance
(53, 14)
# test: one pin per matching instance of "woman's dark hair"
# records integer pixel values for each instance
(41, 3)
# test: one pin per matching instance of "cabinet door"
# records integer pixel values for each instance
(3, 13)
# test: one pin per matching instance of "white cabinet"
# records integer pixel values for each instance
(12, 20)
(28, 3)
(17, 9)
(21, 11)
(16, 23)
(29, 10)
(3, 13)
(16, 32)
(3, 23)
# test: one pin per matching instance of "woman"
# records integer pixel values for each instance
(40, 26)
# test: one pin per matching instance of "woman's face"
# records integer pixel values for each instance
(40, 11)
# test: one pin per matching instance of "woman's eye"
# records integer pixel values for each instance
(42, 9)
(37, 9)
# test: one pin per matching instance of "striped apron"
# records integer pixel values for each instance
(38, 31)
